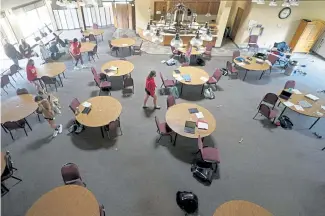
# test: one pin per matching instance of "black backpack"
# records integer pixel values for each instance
(187, 201)
(202, 172)
(200, 61)
(285, 122)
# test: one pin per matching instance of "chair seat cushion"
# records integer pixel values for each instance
(234, 70)
(273, 113)
(212, 80)
(105, 84)
(210, 154)
(163, 128)
(169, 83)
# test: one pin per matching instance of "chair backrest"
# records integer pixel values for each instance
(209, 47)
(12, 125)
(270, 98)
(4, 80)
(128, 82)
(272, 58)
(157, 123)
(112, 128)
(229, 66)
(48, 80)
(74, 104)
(253, 39)
(170, 101)
(217, 74)
(264, 110)
(185, 64)
(235, 54)
(95, 26)
(95, 49)
(70, 173)
(97, 79)
(162, 78)
(21, 91)
(14, 69)
(83, 40)
(91, 37)
(199, 143)
(290, 84)
(93, 70)
(124, 36)
(101, 210)
(9, 165)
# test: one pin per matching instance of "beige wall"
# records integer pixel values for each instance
(233, 11)
(275, 29)
(142, 14)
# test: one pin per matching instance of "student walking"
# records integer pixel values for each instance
(150, 90)
(75, 51)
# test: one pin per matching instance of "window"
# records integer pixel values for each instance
(66, 19)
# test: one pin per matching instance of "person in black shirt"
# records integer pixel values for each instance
(11, 52)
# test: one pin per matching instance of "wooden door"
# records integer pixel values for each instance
(161, 7)
(235, 27)
(121, 16)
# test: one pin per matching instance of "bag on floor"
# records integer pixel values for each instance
(170, 62)
(187, 201)
(224, 71)
(203, 172)
(174, 91)
(76, 128)
(208, 93)
(285, 122)
(200, 61)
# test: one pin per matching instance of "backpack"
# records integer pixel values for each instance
(174, 91)
(202, 173)
(187, 201)
(208, 93)
(200, 61)
(224, 71)
(285, 122)
(170, 62)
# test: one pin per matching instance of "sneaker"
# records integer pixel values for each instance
(55, 133)
(157, 107)
(76, 68)
(60, 128)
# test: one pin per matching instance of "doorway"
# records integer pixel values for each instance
(235, 27)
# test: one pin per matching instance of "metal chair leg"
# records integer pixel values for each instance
(21, 75)
(12, 85)
(25, 132)
(28, 124)
(4, 90)
(16, 178)
(11, 135)
(255, 115)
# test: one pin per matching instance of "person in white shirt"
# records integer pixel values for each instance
(45, 53)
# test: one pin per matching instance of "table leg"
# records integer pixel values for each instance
(28, 124)
(282, 112)
(202, 88)
(262, 75)
(181, 89)
(60, 80)
(3, 127)
(175, 139)
(101, 129)
(130, 51)
(314, 123)
(245, 75)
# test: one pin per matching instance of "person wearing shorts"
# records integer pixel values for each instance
(45, 107)
(150, 90)
(32, 74)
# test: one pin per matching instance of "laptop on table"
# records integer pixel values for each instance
(285, 95)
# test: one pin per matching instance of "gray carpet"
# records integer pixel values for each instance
(283, 171)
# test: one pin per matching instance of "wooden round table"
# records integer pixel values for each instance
(311, 111)
(95, 32)
(52, 70)
(178, 114)
(67, 200)
(123, 42)
(241, 208)
(3, 162)
(17, 108)
(124, 68)
(252, 66)
(198, 76)
(104, 109)
(87, 47)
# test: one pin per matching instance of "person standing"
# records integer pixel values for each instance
(150, 90)
(32, 74)
(11, 52)
(45, 54)
(45, 107)
(75, 51)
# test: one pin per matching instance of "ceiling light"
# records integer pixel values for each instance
(148, 31)
(157, 38)
(176, 41)
(208, 15)
(196, 41)
(207, 36)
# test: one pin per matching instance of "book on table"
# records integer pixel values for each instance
(190, 127)
(193, 110)
(187, 77)
(202, 124)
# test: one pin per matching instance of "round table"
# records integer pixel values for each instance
(198, 76)
(178, 114)
(123, 42)
(51, 69)
(3, 162)
(194, 51)
(241, 208)
(67, 200)
(252, 66)
(124, 67)
(311, 112)
(95, 32)
(87, 47)
(18, 107)
(104, 109)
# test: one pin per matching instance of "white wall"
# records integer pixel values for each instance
(8, 4)
(276, 29)
(142, 15)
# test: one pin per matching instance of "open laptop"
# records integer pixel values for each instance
(190, 127)
(285, 95)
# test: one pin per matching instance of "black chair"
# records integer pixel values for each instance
(93, 53)
(137, 49)
(102, 210)
(10, 126)
(8, 173)
(49, 81)
(14, 69)
(5, 81)
(116, 49)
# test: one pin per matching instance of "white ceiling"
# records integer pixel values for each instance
(8, 4)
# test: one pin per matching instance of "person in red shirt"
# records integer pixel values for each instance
(75, 51)
(150, 89)
(32, 74)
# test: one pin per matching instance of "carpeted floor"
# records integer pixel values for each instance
(283, 171)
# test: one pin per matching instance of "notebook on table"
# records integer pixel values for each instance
(285, 95)
(190, 127)
(202, 124)
(187, 77)
(240, 59)
(193, 110)
(312, 97)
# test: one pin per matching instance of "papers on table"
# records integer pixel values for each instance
(86, 104)
(305, 104)
(178, 77)
(295, 91)
(110, 73)
(312, 97)
(299, 108)
(204, 79)
(288, 103)
(113, 68)
(199, 115)
(202, 125)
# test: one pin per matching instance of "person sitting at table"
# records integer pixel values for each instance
(26, 50)
(58, 40)
(45, 53)
(55, 52)
(75, 52)
(150, 90)
(32, 74)
(11, 52)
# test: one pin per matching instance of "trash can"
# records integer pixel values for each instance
(291, 68)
